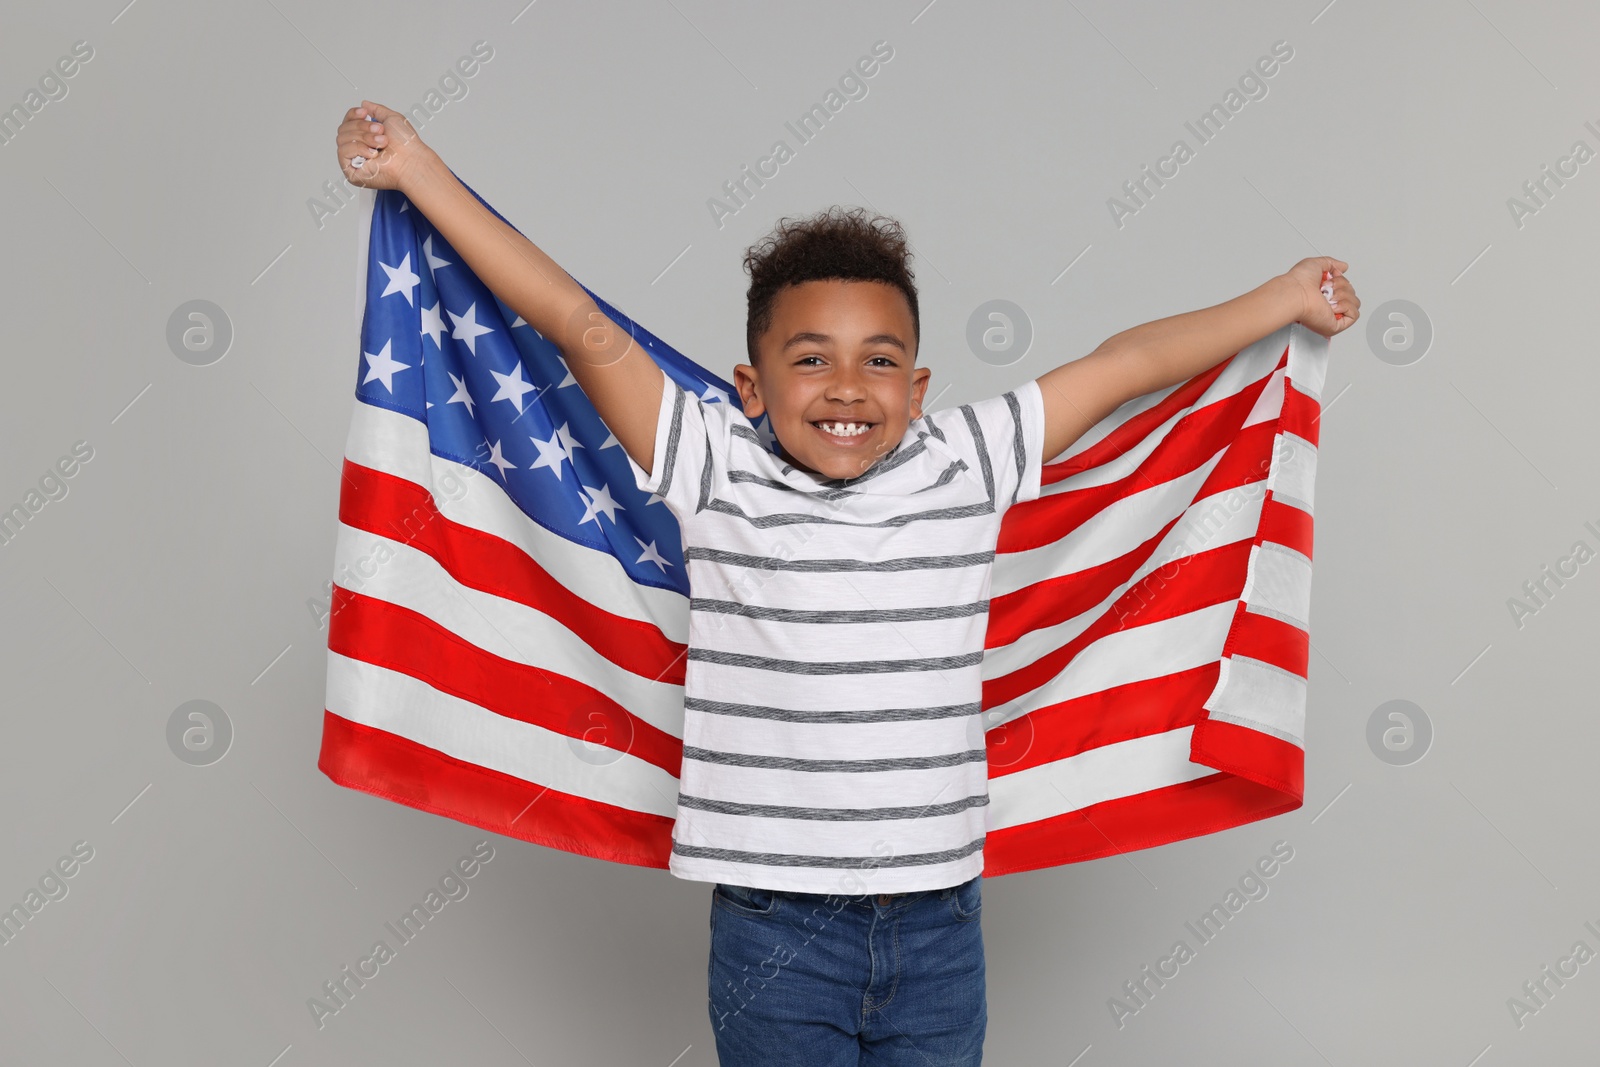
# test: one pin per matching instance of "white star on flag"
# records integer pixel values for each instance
(652, 556)
(467, 328)
(712, 394)
(568, 442)
(383, 367)
(513, 387)
(460, 396)
(551, 454)
(401, 279)
(499, 461)
(434, 262)
(432, 325)
(600, 502)
(524, 322)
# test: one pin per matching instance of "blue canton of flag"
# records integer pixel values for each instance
(497, 396)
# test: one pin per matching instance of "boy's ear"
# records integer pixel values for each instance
(744, 380)
(919, 389)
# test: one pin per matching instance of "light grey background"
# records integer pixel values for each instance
(180, 564)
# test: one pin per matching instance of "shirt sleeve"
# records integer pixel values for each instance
(690, 434)
(1005, 434)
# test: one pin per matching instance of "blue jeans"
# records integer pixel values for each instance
(824, 980)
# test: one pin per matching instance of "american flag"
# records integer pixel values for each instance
(506, 638)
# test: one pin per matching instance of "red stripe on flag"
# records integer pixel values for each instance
(1286, 525)
(1196, 582)
(1120, 713)
(1269, 761)
(1301, 414)
(404, 511)
(1055, 600)
(399, 639)
(380, 763)
(1144, 820)
(1050, 601)
(1270, 640)
(1192, 441)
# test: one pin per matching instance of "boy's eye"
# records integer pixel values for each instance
(886, 359)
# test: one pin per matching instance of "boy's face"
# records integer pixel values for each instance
(836, 352)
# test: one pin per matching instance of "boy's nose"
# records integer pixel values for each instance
(845, 387)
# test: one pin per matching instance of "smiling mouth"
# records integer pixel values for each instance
(844, 431)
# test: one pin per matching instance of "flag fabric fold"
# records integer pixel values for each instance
(508, 614)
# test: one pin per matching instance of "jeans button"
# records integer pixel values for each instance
(885, 899)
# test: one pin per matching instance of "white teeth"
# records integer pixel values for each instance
(845, 429)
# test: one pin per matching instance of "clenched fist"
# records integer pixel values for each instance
(1328, 300)
(378, 148)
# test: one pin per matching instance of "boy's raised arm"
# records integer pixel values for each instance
(618, 376)
(1167, 351)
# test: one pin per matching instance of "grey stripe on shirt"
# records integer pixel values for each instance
(786, 859)
(851, 715)
(848, 766)
(774, 563)
(739, 474)
(1019, 447)
(983, 451)
(673, 436)
(848, 666)
(782, 811)
(790, 518)
(846, 615)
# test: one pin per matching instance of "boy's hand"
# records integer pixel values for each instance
(378, 148)
(1328, 301)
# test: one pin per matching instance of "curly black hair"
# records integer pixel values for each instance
(837, 243)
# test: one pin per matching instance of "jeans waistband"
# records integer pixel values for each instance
(882, 899)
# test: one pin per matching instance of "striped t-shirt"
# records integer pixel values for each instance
(832, 723)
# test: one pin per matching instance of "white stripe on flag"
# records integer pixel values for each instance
(1279, 584)
(396, 444)
(1209, 524)
(1134, 655)
(1093, 777)
(1294, 476)
(414, 580)
(1308, 362)
(1116, 529)
(400, 704)
(1261, 696)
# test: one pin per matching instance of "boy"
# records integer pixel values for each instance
(834, 772)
